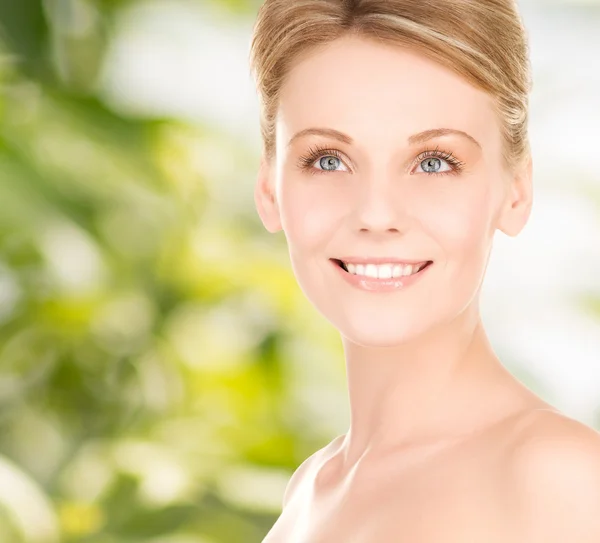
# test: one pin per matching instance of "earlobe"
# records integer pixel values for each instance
(265, 198)
(519, 200)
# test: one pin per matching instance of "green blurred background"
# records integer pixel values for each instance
(161, 374)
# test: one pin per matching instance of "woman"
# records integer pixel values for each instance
(395, 145)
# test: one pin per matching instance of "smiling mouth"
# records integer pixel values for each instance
(383, 271)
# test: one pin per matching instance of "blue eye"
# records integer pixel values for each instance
(432, 165)
(328, 160)
(429, 160)
(328, 163)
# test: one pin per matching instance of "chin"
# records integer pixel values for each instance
(371, 333)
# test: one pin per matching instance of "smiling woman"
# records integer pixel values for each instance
(395, 146)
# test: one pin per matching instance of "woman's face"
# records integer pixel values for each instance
(387, 194)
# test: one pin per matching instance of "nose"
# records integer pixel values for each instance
(380, 207)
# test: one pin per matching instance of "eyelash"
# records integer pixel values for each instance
(306, 162)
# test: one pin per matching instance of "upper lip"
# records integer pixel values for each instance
(379, 260)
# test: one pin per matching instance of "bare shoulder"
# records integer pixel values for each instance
(553, 439)
(553, 480)
(307, 467)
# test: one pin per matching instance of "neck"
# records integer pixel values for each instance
(445, 383)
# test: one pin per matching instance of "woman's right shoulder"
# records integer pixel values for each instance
(308, 466)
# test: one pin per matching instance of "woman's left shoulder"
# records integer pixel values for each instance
(553, 473)
(551, 435)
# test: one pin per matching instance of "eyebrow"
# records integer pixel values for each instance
(421, 137)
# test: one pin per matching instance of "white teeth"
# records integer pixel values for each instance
(383, 271)
(371, 271)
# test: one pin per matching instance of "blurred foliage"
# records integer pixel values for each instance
(142, 391)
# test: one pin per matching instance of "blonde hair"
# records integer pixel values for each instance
(484, 41)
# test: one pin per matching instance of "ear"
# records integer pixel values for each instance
(265, 197)
(518, 201)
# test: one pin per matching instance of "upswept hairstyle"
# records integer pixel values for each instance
(484, 41)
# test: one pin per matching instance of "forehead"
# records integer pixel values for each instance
(380, 92)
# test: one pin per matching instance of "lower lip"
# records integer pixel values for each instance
(380, 285)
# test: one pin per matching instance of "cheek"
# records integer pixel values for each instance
(309, 217)
(460, 227)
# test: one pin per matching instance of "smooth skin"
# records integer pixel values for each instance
(444, 443)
